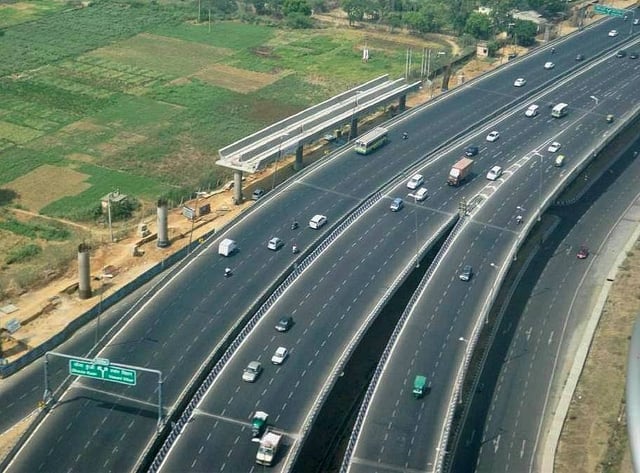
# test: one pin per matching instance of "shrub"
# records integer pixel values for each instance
(23, 253)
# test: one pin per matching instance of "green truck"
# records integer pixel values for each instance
(419, 386)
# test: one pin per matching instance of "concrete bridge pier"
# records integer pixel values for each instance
(237, 187)
(402, 103)
(353, 130)
(298, 163)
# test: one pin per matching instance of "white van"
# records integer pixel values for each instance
(227, 247)
(532, 111)
(559, 110)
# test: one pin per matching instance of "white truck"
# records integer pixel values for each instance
(227, 247)
(268, 449)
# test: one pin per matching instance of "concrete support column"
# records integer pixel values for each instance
(354, 128)
(402, 103)
(84, 272)
(162, 216)
(237, 187)
(298, 163)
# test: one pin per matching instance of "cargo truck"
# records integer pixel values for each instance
(460, 171)
(268, 449)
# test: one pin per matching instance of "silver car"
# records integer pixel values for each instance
(252, 371)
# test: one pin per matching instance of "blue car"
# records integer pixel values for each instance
(397, 204)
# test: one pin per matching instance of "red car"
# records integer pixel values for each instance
(583, 252)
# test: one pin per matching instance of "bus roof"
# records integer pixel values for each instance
(372, 135)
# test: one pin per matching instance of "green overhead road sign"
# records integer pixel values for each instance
(100, 368)
(605, 10)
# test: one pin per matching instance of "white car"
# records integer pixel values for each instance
(519, 82)
(494, 173)
(317, 221)
(549, 65)
(532, 110)
(553, 147)
(421, 194)
(275, 244)
(416, 181)
(493, 136)
(613, 33)
(279, 356)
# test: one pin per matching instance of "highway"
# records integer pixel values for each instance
(398, 431)
(509, 416)
(290, 390)
(108, 426)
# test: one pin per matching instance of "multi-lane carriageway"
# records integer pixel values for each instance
(199, 306)
(291, 388)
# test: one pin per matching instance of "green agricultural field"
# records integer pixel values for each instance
(137, 96)
(22, 11)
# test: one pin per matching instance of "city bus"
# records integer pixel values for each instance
(559, 110)
(371, 141)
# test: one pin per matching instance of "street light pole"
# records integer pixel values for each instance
(415, 210)
(353, 115)
(439, 53)
(278, 157)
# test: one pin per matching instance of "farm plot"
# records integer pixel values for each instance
(100, 182)
(238, 80)
(170, 56)
(71, 32)
(46, 184)
(20, 12)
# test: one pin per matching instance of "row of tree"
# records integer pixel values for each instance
(457, 17)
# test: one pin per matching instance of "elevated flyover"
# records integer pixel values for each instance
(438, 332)
(255, 151)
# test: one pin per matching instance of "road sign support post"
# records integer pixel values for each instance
(103, 369)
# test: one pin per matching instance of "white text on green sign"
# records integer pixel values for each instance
(103, 371)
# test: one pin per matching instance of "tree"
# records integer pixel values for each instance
(415, 21)
(300, 7)
(435, 15)
(548, 8)
(225, 7)
(478, 25)
(460, 10)
(355, 9)
(298, 20)
(525, 32)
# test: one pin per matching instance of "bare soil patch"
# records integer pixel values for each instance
(35, 189)
(120, 143)
(238, 80)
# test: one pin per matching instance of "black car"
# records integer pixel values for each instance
(257, 194)
(284, 324)
(621, 53)
(633, 55)
(471, 150)
(580, 57)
